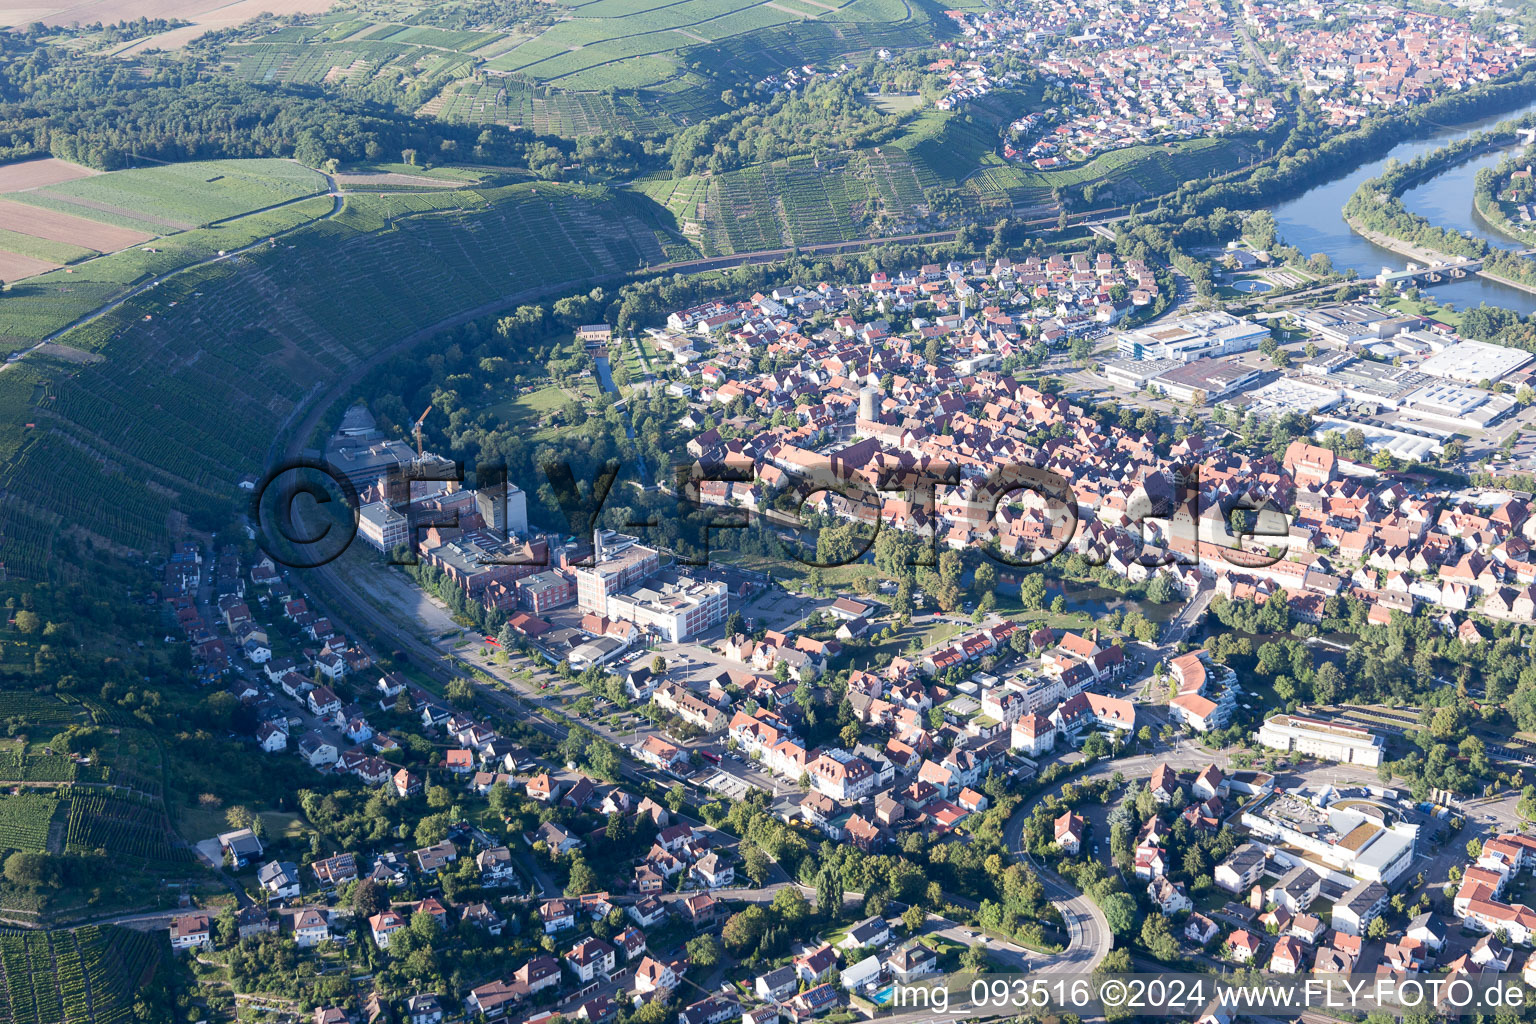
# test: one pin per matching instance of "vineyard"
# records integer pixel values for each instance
(640, 44)
(36, 768)
(122, 827)
(85, 976)
(518, 103)
(1125, 175)
(796, 202)
(354, 62)
(53, 474)
(24, 821)
(39, 709)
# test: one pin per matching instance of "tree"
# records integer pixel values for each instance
(1158, 938)
(703, 950)
(1120, 911)
(755, 863)
(985, 580)
(745, 929)
(368, 898)
(27, 621)
(676, 798)
(460, 693)
(790, 906)
(913, 917)
(1377, 930)
(658, 665)
(582, 879)
(829, 894)
(31, 870)
(974, 959)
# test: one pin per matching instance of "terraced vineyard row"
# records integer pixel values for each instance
(85, 976)
(26, 540)
(24, 821)
(120, 826)
(83, 491)
(796, 202)
(38, 708)
(36, 768)
(518, 103)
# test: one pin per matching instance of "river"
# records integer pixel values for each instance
(1314, 222)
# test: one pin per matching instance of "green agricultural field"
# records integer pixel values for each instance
(894, 103)
(39, 306)
(180, 196)
(42, 248)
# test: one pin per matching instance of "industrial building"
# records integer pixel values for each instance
(1348, 323)
(674, 610)
(1192, 337)
(1473, 361)
(618, 563)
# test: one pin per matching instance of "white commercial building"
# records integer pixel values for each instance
(1291, 395)
(1313, 737)
(1347, 842)
(1192, 337)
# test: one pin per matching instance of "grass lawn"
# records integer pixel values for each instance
(1426, 308)
(888, 103)
(1010, 607)
(282, 824)
(198, 823)
(793, 573)
(528, 410)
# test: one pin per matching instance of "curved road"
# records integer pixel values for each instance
(1088, 936)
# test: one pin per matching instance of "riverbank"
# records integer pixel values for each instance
(1425, 257)
(1496, 220)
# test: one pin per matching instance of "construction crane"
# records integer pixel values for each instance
(419, 421)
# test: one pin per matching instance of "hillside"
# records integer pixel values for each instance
(169, 400)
